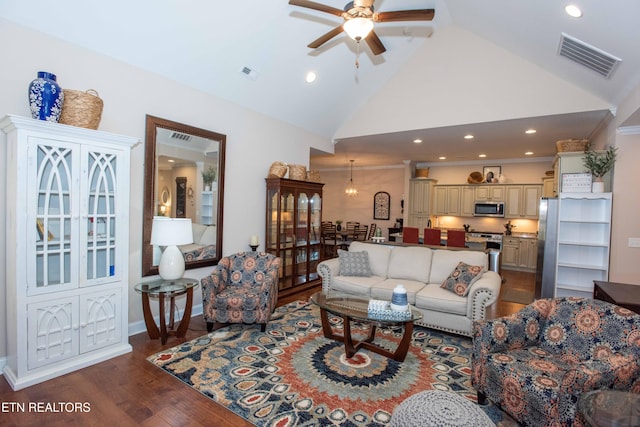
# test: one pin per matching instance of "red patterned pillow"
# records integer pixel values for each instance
(461, 278)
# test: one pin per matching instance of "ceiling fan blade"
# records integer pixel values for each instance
(375, 44)
(405, 15)
(317, 6)
(325, 38)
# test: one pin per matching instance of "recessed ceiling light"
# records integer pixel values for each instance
(310, 77)
(442, 158)
(482, 155)
(417, 140)
(528, 153)
(530, 131)
(468, 136)
(573, 11)
(171, 161)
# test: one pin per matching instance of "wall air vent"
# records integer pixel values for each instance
(181, 136)
(588, 56)
(252, 74)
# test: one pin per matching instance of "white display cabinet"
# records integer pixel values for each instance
(67, 237)
(584, 236)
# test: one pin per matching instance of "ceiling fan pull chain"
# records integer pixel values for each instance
(357, 54)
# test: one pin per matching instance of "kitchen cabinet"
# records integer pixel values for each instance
(67, 191)
(584, 234)
(446, 200)
(467, 200)
(519, 253)
(420, 201)
(294, 216)
(490, 193)
(548, 189)
(510, 251)
(528, 253)
(523, 201)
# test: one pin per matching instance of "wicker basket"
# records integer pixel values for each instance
(566, 145)
(298, 172)
(422, 173)
(277, 170)
(475, 178)
(313, 176)
(83, 109)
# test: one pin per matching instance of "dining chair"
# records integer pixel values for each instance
(456, 238)
(372, 231)
(329, 240)
(432, 236)
(410, 235)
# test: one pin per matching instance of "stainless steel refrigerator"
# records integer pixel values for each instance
(547, 248)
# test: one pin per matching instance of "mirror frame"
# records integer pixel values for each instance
(152, 124)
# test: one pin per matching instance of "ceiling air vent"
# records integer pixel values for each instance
(252, 74)
(181, 136)
(588, 56)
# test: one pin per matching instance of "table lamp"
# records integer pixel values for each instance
(170, 232)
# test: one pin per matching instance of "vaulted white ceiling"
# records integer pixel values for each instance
(436, 80)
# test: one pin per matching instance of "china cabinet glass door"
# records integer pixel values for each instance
(53, 196)
(100, 261)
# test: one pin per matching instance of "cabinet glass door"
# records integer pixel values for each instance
(315, 208)
(101, 223)
(53, 198)
(287, 238)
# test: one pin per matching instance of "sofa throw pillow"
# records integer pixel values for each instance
(354, 263)
(461, 278)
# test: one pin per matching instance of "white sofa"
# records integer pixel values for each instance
(204, 241)
(421, 270)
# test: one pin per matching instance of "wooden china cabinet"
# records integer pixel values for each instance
(294, 215)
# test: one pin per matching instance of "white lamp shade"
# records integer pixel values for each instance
(358, 28)
(171, 231)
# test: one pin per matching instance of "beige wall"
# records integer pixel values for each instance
(254, 141)
(625, 261)
(338, 206)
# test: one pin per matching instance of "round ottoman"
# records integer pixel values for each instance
(439, 408)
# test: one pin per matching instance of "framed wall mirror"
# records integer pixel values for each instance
(179, 153)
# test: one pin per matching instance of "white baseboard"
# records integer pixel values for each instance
(139, 326)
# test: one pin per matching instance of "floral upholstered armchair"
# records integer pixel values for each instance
(242, 288)
(535, 364)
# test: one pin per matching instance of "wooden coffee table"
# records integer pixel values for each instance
(352, 308)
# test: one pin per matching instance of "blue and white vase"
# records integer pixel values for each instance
(45, 97)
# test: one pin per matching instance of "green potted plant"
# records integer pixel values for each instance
(599, 163)
(208, 176)
(339, 225)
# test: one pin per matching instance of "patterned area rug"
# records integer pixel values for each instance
(292, 375)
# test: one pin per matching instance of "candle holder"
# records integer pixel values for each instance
(254, 247)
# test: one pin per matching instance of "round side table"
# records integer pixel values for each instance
(166, 289)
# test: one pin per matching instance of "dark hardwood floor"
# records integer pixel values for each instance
(129, 391)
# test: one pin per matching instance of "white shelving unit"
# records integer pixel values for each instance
(67, 237)
(584, 235)
(208, 209)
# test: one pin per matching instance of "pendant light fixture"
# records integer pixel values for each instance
(351, 189)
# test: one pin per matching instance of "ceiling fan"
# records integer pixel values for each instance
(359, 16)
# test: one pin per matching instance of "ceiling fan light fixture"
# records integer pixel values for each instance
(358, 28)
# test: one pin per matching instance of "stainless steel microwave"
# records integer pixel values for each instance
(495, 209)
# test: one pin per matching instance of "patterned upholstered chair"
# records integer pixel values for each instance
(535, 364)
(242, 288)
